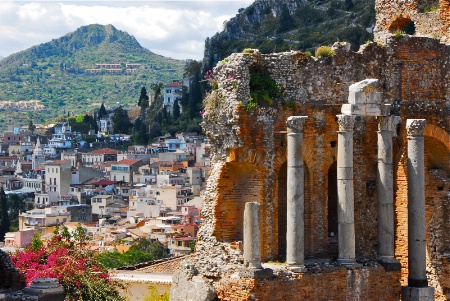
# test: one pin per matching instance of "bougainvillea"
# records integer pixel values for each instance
(65, 257)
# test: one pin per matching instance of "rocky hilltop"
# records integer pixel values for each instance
(276, 26)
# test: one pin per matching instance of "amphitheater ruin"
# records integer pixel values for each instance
(341, 189)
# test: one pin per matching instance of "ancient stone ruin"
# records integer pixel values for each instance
(346, 174)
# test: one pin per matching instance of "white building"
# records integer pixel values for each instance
(46, 217)
(172, 92)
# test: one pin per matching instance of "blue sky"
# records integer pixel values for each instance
(174, 29)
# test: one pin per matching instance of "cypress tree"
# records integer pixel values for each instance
(176, 110)
(195, 96)
(4, 217)
(285, 21)
(102, 112)
(143, 99)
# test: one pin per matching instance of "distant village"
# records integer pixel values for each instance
(144, 191)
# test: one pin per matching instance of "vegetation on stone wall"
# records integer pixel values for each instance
(324, 51)
(264, 90)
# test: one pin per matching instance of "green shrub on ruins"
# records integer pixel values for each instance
(324, 51)
(430, 8)
(263, 89)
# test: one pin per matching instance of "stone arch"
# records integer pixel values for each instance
(332, 207)
(437, 144)
(437, 206)
(404, 24)
(239, 183)
(281, 203)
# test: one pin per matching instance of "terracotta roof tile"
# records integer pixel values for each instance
(175, 84)
(104, 151)
(127, 162)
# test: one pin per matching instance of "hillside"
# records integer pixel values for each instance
(62, 74)
(276, 26)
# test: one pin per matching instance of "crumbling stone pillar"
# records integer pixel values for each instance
(385, 182)
(252, 240)
(252, 243)
(346, 220)
(417, 288)
(295, 228)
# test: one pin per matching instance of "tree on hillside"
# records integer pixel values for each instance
(140, 135)
(157, 89)
(143, 99)
(31, 126)
(15, 205)
(102, 112)
(286, 22)
(191, 68)
(121, 121)
(176, 110)
(155, 130)
(4, 216)
(195, 96)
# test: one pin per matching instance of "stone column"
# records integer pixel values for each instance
(252, 240)
(46, 289)
(252, 244)
(417, 274)
(385, 182)
(295, 228)
(346, 223)
(417, 288)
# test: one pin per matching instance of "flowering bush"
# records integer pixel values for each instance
(229, 84)
(65, 258)
(211, 79)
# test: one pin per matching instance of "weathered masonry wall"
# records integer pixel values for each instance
(249, 164)
(371, 284)
(430, 18)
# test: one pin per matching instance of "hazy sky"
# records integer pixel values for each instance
(176, 29)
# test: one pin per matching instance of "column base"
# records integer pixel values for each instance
(417, 293)
(256, 273)
(389, 263)
(296, 268)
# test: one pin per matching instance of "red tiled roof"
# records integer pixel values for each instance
(104, 151)
(175, 84)
(127, 162)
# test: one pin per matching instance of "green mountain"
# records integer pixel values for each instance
(277, 26)
(79, 71)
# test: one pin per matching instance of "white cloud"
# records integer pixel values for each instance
(176, 29)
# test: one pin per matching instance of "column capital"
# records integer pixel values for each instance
(346, 122)
(415, 127)
(295, 123)
(389, 123)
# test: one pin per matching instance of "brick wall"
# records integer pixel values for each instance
(371, 283)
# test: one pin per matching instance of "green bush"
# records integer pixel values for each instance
(324, 51)
(430, 8)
